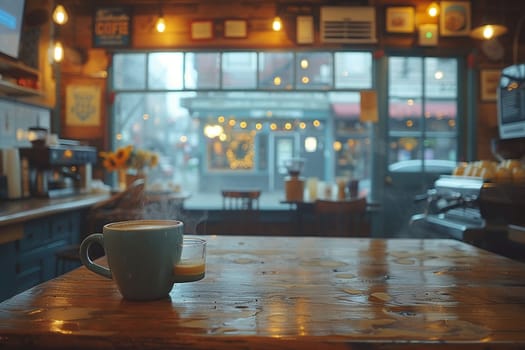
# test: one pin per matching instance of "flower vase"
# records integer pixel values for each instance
(122, 179)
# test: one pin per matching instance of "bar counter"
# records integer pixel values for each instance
(20, 210)
(291, 293)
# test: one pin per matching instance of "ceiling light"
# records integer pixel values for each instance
(58, 52)
(60, 15)
(160, 25)
(488, 31)
(277, 24)
(433, 9)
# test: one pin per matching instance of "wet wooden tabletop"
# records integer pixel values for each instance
(291, 293)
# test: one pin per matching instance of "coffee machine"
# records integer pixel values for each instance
(59, 170)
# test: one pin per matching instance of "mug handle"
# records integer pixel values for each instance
(86, 260)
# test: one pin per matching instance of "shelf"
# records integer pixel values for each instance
(17, 69)
(10, 89)
(12, 71)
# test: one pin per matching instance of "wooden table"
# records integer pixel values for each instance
(291, 293)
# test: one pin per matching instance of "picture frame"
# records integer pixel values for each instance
(235, 28)
(400, 19)
(455, 18)
(83, 105)
(201, 30)
(488, 84)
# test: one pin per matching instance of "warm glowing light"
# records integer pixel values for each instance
(68, 154)
(488, 32)
(183, 139)
(212, 131)
(337, 146)
(60, 15)
(118, 136)
(277, 81)
(302, 125)
(243, 125)
(305, 80)
(310, 144)
(410, 102)
(433, 9)
(220, 119)
(223, 137)
(58, 52)
(277, 24)
(273, 126)
(409, 123)
(231, 122)
(160, 25)
(258, 126)
(304, 63)
(438, 75)
(316, 123)
(288, 126)
(452, 123)
(145, 116)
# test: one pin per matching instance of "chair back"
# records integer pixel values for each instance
(125, 205)
(342, 218)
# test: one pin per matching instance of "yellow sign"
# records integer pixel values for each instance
(83, 105)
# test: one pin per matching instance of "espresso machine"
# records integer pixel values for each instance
(59, 170)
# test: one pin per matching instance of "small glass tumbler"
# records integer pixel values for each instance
(192, 263)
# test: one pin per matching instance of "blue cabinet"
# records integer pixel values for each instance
(31, 260)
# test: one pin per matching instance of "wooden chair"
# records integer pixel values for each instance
(125, 205)
(240, 214)
(342, 218)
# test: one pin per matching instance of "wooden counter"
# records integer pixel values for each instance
(20, 210)
(291, 293)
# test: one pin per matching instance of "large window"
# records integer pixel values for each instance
(217, 114)
(422, 111)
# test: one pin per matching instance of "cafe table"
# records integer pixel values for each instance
(290, 293)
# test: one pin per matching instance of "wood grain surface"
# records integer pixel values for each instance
(291, 293)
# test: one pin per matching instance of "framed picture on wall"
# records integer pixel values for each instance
(201, 30)
(235, 28)
(83, 105)
(455, 18)
(400, 19)
(488, 84)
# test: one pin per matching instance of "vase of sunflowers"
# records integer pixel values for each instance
(130, 163)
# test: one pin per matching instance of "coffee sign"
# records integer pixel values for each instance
(112, 27)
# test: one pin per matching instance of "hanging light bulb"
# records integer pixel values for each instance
(160, 25)
(277, 24)
(58, 52)
(60, 15)
(433, 9)
(488, 31)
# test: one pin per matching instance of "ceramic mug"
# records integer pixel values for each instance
(141, 256)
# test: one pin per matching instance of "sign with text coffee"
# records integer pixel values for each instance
(112, 27)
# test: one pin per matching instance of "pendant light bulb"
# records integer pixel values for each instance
(433, 9)
(58, 52)
(60, 15)
(277, 24)
(160, 25)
